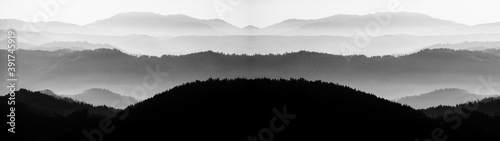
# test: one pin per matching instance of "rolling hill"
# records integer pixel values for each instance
(445, 97)
(40, 116)
(307, 110)
(488, 106)
(277, 109)
(345, 25)
(158, 25)
(99, 96)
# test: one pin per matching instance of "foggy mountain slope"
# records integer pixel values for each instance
(77, 45)
(99, 96)
(344, 25)
(157, 25)
(445, 97)
(420, 72)
(52, 26)
(46, 118)
(153, 24)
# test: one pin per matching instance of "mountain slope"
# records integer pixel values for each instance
(53, 26)
(395, 76)
(98, 96)
(468, 46)
(47, 104)
(44, 117)
(487, 28)
(489, 106)
(77, 45)
(240, 108)
(344, 25)
(157, 25)
(449, 97)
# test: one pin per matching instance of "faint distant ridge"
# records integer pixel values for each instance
(158, 25)
(476, 45)
(72, 45)
(100, 96)
(343, 24)
(51, 93)
(447, 96)
(303, 110)
(153, 24)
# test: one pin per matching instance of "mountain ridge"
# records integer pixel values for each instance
(219, 27)
(101, 96)
(445, 97)
(119, 72)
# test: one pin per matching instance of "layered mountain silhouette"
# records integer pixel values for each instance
(154, 34)
(248, 109)
(445, 97)
(180, 25)
(99, 96)
(246, 44)
(345, 25)
(386, 76)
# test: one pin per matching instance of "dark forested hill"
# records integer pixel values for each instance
(255, 109)
(281, 109)
(489, 106)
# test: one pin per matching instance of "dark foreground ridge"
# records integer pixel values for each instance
(264, 109)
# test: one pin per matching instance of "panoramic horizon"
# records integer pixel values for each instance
(242, 13)
(250, 25)
(250, 70)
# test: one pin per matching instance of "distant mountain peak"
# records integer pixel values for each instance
(444, 90)
(250, 27)
(98, 90)
(101, 96)
(119, 15)
(48, 92)
(446, 96)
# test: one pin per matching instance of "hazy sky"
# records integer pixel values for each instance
(244, 12)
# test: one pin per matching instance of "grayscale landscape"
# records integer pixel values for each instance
(231, 69)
